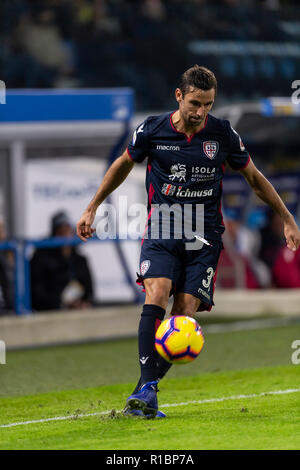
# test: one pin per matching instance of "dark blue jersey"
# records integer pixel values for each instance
(184, 170)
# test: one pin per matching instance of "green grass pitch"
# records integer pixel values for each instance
(87, 386)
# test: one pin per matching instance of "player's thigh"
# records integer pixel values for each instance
(159, 259)
(199, 275)
(159, 269)
(157, 291)
(185, 304)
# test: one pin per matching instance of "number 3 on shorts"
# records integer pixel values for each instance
(206, 282)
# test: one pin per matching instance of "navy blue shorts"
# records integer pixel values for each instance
(191, 271)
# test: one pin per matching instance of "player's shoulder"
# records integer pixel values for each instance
(154, 123)
(150, 127)
(222, 125)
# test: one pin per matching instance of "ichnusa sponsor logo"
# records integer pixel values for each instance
(168, 189)
(188, 193)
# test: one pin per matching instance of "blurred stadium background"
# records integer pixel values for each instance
(79, 76)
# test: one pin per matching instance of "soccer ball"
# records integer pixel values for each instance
(179, 339)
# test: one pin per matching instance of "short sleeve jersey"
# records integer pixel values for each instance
(188, 170)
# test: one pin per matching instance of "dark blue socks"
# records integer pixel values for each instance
(151, 318)
(162, 367)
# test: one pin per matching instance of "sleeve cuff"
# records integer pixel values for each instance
(129, 154)
(243, 166)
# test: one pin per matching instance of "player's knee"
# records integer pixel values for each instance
(157, 291)
(158, 298)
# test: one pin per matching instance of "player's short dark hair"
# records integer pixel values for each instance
(197, 77)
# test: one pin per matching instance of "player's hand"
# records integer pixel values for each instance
(292, 235)
(84, 228)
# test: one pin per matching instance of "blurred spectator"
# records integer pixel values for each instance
(60, 277)
(272, 239)
(143, 44)
(286, 268)
(284, 264)
(241, 250)
(154, 10)
(41, 40)
(6, 275)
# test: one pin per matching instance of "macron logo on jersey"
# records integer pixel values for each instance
(168, 147)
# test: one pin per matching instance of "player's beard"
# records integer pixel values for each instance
(194, 122)
(191, 121)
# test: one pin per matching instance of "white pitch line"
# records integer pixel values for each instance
(236, 397)
(166, 405)
(246, 325)
(55, 418)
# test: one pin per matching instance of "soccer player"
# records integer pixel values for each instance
(187, 152)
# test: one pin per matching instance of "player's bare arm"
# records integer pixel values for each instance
(115, 175)
(267, 193)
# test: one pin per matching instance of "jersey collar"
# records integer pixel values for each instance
(183, 133)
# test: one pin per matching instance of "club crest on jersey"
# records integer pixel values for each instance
(210, 148)
(145, 265)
